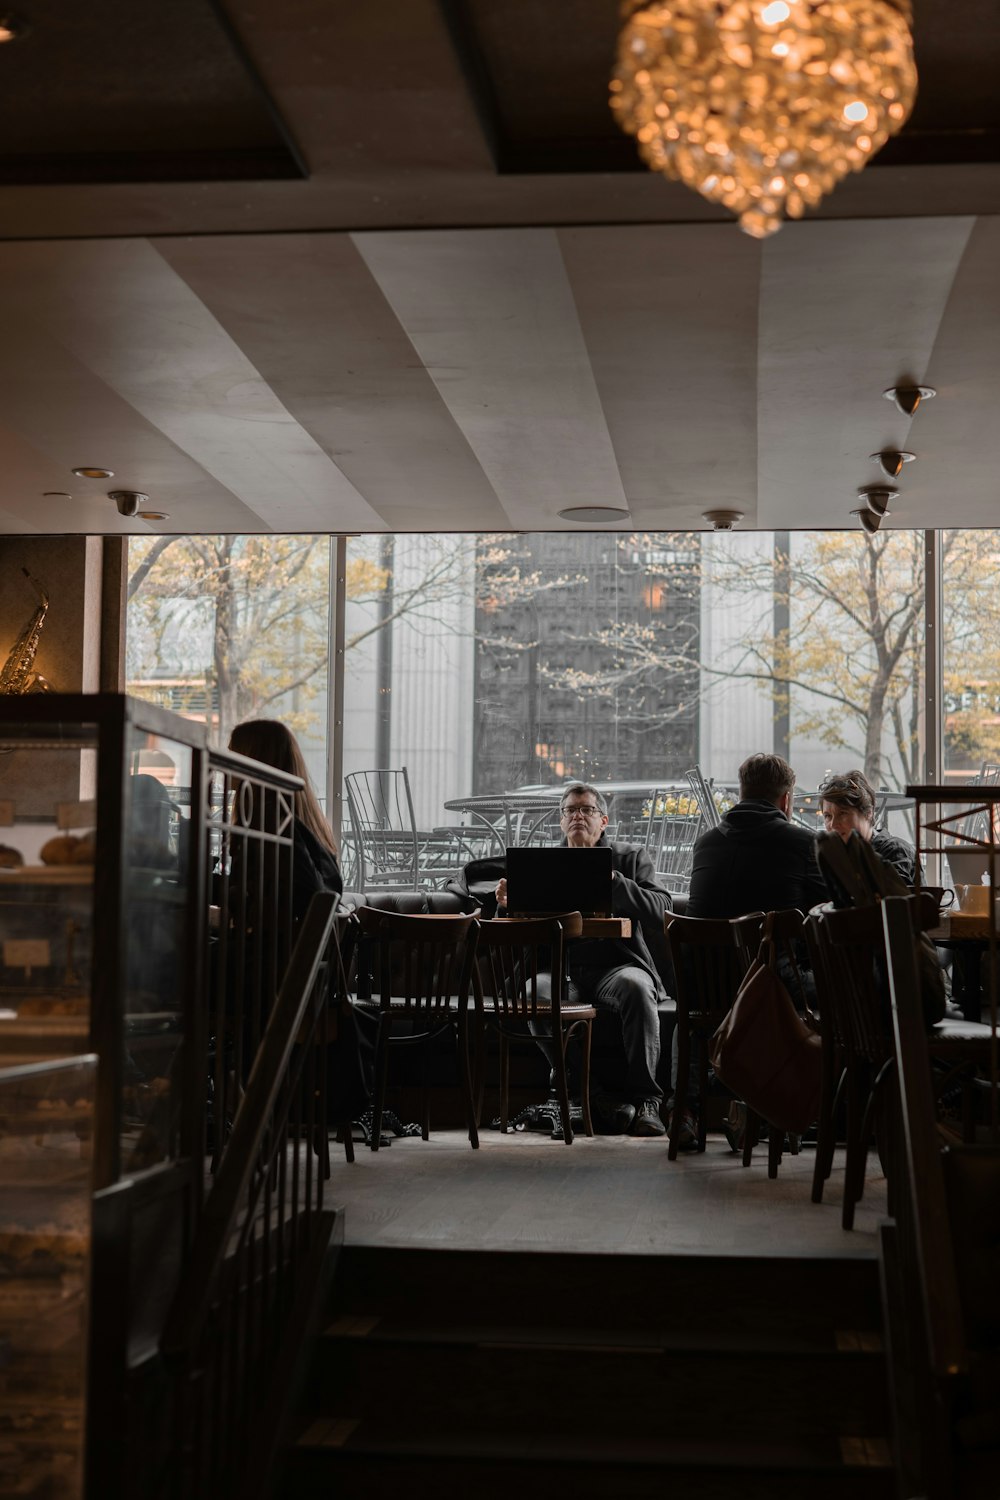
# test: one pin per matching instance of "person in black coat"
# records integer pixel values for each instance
(621, 975)
(756, 860)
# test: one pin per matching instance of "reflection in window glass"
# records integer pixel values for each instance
(226, 628)
(488, 663)
(971, 649)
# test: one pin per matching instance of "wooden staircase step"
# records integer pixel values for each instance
(709, 1293)
(615, 1385)
(359, 1461)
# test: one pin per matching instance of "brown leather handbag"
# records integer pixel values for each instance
(765, 1052)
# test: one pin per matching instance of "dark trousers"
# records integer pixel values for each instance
(629, 994)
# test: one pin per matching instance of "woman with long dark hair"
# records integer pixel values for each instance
(314, 856)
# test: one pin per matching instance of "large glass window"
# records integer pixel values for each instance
(226, 628)
(498, 662)
(487, 663)
(971, 650)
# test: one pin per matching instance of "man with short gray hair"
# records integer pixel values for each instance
(619, 976)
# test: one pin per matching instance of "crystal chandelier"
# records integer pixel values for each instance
(763, 105)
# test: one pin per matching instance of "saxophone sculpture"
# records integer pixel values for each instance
(17, 676)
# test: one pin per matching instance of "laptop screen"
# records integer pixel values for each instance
(543, 881)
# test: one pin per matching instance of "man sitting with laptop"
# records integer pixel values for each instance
(618, 975)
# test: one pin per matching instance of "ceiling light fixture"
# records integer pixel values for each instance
(876, 499)
(763, 105)
(906, 398)
(128, 501)
(594, 513)
(722, 520)
(153, 515)
(11, 27)
(891, 462)
(94, 473)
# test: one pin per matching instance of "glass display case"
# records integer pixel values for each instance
(46, 1130)
(103, 962)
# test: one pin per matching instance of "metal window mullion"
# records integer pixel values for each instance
(337, 647)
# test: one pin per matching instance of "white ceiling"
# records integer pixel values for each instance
(334, 354)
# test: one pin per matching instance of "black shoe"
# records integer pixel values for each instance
(611, 1116)
(647, 1119)
(687, 1130)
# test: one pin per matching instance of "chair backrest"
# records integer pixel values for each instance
(421, 963)
(512, 955)
(710, 815)
(847, 953)
(383, 827)
(708, 967)
(671, 840)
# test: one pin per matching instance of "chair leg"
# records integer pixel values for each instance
(466, 1079)
(683, 1062)
(857, 1146)
(425, 1093)
(562, 1089)
(346, 1139)
(826, 1135)
(504, 1082)
(775, 1141)
(588, 1030)
(751, 1134)
(703, 1095)
(381, 1075)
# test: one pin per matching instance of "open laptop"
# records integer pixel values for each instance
(542, 882)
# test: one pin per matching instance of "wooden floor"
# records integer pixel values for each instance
(609, 1195)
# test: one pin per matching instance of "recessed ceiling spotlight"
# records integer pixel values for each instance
(11, 27)
(56, 495)
(93, 473)
(906, 398)
(891, 462)
(722, 520)
(594, 513)
(153, 515)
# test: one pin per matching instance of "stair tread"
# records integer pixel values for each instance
(821, 1454)
(857, 1344)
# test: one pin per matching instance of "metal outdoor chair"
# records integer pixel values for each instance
(514, 955)
(387, 847)
(671, 842)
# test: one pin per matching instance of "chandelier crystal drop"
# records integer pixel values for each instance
(763, 105)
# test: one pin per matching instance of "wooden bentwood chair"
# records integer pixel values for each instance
(422, 974)
(708, 967)
(848, 951)
(514, 954)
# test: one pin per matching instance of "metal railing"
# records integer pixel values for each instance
(243, 1301)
